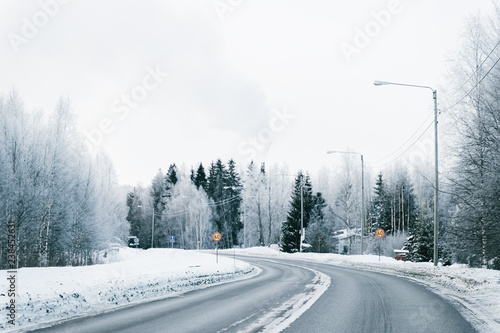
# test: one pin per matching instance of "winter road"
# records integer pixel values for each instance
(327, 299)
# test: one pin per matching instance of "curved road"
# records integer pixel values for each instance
(355, 301)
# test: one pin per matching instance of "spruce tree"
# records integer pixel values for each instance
(212, 182)
(200, 180)
(217, 181)
(380, 211)
(191, 175)
(159, 195)
(319, 232)
(420, 244)
(134, 215)
(171, 176)
(291, 231)
(233, 194)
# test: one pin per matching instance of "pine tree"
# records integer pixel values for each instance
(200, 180)
(380, 211)
(216, 191)
(212, 181)
(420, 244)
(291, 231)
(233, 193)
(191, 175)
(139, 216)
(159, 195)
(171, 176)
(393, 206)
(134, 216)
(319, 232)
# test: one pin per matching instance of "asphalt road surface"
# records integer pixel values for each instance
(355, 301)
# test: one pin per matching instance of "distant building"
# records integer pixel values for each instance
(345, 238)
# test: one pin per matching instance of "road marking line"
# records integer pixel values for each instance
(280, 318)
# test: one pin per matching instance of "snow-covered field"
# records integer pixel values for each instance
(132, 276)
(474, 291)
(57, 293)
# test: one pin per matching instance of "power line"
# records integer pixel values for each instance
(474, 87)
(475, 72)
(414, 142)
(218, 203)
(407, 140)
(448, 108)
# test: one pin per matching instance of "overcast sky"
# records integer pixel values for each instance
(161, 82)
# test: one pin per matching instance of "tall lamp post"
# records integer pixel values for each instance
(363, 217)
(436, 175)
(302, 233)
(244, 212)
(152, 226)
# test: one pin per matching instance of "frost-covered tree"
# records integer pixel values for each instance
(62, 199)
(475, 181)
(254, 196)
(187, 217)
(279, 189)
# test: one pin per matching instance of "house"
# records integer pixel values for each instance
(345, 239)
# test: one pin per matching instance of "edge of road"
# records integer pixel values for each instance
(254, 272)
(473, 312)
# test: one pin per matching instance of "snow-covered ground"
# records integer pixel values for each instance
(474, 291)
(57, 293)
(132, 276)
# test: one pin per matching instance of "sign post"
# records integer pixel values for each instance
(379, 233)
(172, 240)
(216, 237)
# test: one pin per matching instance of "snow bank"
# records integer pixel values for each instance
(474, 291)
(55, 293)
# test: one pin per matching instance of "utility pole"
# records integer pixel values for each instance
(153, 228)
(436, 173)
(301, 216)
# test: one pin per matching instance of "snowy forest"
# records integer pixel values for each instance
(67, 205)
(63, 201)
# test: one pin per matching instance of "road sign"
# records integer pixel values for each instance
(172, 239)
(216, 236)
(380, 233)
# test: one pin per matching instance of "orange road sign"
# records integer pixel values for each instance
(380, 233)
(216, 236)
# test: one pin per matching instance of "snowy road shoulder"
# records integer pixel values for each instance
(59, 293)
(475, 292)
(284, 315)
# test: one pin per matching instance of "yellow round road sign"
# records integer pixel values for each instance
(380, 233)
(216, 236)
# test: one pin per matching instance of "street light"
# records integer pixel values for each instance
(436, 179)
(302, 236)
(244, 213)
(152, 226)
(363, 217)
